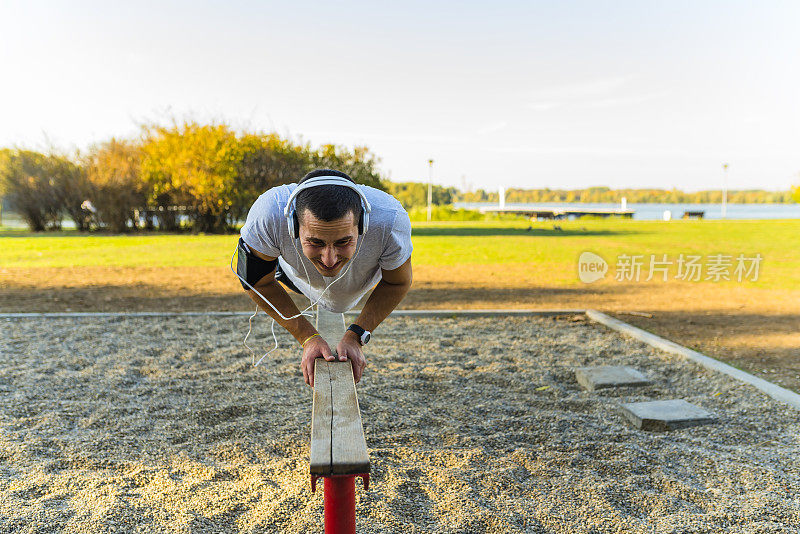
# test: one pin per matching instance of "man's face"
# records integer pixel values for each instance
(328, 244)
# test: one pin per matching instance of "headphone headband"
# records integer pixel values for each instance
(325, 180)
(290, 211)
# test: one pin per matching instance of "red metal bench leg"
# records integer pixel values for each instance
(340, 502)
(340, 505)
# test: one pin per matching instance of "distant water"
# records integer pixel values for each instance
(651, 212)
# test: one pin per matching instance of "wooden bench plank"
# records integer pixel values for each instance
(321, 420)
(330, 326)
(349, 454)
(338, 446)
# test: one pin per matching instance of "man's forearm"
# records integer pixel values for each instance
(299, 327)
(384, 298)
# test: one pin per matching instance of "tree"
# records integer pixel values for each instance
(409, 194)
(415, 194)
(267, 160)
(27, 180)
(72, 189)
(118, 192)
(195, 166)
(360, 164)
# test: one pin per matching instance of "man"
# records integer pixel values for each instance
(328, 259)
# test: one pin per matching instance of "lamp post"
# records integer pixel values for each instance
(724, 189)
(430, 187)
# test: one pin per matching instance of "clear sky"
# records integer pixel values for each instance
(516, 94)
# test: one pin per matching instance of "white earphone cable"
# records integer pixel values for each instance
(302, 313)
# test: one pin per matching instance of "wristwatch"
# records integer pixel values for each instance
(363, 335)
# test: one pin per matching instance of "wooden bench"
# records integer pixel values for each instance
(693, 214)
(338, 447)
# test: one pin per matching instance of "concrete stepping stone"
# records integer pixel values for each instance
(609, 376)
(666, 414)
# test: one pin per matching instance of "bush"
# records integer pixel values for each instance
(360, 164)
(117, 193)
(446, 213)
(72, 190)
(210, 173)
(194, 166)
(31, 182)
(267, 161)
(218, 174)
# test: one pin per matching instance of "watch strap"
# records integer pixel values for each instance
(359, 332)
(357, 329)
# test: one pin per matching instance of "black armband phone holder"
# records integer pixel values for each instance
(250, 267)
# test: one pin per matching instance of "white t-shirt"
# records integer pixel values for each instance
(386, 245)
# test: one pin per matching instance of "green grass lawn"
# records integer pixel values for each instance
(452, 243)
(778, 242)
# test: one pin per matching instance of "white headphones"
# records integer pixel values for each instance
(290, 212)
(294, 229)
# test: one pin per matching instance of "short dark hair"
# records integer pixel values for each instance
(328, 202)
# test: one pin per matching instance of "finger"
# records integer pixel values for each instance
(327, 354)
(341, 350)
(305, 372)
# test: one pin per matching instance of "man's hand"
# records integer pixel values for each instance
(349, 347)
(316, 347)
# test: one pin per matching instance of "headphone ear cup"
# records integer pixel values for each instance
(295, 225)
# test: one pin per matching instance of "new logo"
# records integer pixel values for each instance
(591, 267)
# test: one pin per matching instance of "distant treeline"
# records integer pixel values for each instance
(415, 194)
(205, 177)
(209, 174)
(605, 194)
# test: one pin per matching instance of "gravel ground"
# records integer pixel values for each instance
(473, 425)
